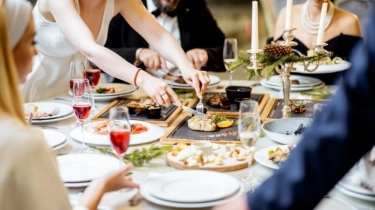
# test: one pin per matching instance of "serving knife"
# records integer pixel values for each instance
(193, 111)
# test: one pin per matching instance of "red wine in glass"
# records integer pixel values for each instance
(82, 110)
(120, 141)
(93, 75)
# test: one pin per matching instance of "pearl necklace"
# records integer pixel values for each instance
(313, 27)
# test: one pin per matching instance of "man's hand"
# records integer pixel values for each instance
(152, 60)
(198, 57)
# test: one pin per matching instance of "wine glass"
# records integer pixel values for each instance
(76, 73)
(248, 132)
(92, 73)
(82, 109)
(119, 131)
(230, 54)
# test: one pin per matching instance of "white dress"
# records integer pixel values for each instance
(50, 75)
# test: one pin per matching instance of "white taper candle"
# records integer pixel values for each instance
(322, 24)
(254, 28)
(288, 18)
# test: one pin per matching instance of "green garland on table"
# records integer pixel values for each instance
(138, 157)
(270, 62)
(319, 93)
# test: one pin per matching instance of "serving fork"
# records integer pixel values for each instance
(199, 107)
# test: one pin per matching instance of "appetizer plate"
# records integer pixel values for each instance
(262, 158)
(304, 81)
(292, 88)
(193, 186)
(78, 168)
(214, 80)
(148, 187)
(324, 69)
(153, 133)
(55, 139)
(121, 89)
(48, 107)
(350, 193)
(52, 120)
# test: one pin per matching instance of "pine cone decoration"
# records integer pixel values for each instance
(277, 50)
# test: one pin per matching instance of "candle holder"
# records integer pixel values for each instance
(288, 37)
(254, 64)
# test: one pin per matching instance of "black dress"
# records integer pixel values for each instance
(340, 46)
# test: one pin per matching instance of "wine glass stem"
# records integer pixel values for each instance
(83, 147)
(93, 100)
(120, 162)
(230, 78)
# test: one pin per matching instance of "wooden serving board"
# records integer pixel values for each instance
(273, 109)
(180, 132)
(261, 98)
(230, 164)
(168, 114)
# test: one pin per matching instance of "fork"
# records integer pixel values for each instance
(200, 107)
(55, 111)
(29, 120)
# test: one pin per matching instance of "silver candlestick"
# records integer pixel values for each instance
(254, 64)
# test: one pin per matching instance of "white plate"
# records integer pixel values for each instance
(146, 194)
(353, 194)
(214, 80)
(85, 167)
(154, 133)
(292, 88)
(126, 89)
(355, 188)
(194, 186)
(53, 120)
(54, 139)
(191, 88)
(324, 69)
(77, 184)
(49, 107)
(304, 81)
(261, 156)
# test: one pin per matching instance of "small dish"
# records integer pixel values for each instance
(153, 112)
(234, 92)
(237, 101)
(204, 146)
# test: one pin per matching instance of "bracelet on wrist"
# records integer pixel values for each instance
(135, 77)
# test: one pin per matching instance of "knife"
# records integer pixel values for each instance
(193, 111)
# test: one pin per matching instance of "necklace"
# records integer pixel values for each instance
(313, 27)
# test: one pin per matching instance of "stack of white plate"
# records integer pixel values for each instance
(215, 80)
(324, 69)
(125, 90)
(305, 83)
(355, 191)
(78, 170)
(55, 139)
(65, 112)
(191, 189)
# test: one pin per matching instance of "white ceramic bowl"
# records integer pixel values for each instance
(205, 146)
(277, 129)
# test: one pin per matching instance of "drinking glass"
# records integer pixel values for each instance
(248, 132)
(92, 73)
(82, 109)
(119, 131)
(76, 73)
(230, 54)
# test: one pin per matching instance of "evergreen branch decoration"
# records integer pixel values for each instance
(138, 157)
(319, 93)
(273, 56)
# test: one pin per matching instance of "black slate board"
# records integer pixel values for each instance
(276, 111)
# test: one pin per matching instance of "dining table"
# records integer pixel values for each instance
(114, 200)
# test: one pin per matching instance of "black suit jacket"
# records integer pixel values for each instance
(198, 29)
(337, 139)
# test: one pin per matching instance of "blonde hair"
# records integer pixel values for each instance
(10, 99)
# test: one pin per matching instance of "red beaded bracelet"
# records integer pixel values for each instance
(135, 77)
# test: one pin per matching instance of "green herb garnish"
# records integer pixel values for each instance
(218, 118)
(138, 157)
(100, 90)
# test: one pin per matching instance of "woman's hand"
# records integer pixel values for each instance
(157, 89)
(196, 79)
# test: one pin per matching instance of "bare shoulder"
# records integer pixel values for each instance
(345, 15)
(345, 19)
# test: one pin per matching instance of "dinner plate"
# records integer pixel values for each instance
(193, 186)
(291, 88)
(324, 69)
(355, 188)
(214, 80)
(154, 133)
(48, 107)
(52, 120)
(261, 156)
(125, 89)
(304, 81)
(77, 168)
(191, 88)
(146, 194)
(350, 193)
(76, 184)
(54, 139)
